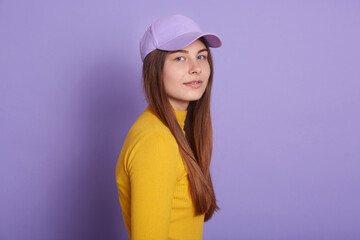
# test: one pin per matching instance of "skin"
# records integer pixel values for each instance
(182, 66)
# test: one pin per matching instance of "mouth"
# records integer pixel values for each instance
(194, 84)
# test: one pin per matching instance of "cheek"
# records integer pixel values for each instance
(170, 79)
(206, 71)
(172, 74)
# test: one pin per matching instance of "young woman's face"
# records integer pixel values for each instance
(181, 69)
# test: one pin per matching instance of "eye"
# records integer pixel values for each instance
(201, 57)
(179, 58)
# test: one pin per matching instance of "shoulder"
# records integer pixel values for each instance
(157, 134)
(148, 125)
(148, 135)
(149, 145)
(153, 150)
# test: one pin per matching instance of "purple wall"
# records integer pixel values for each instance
(286, 113)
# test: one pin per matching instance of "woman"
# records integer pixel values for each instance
(163, 172)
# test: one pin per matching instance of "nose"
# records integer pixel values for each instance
(194, 67)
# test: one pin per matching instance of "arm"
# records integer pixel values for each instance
(152, 168)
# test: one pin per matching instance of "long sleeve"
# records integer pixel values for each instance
(152, 167)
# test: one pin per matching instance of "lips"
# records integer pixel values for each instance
(194, 82)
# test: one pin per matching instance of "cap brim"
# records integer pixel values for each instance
(186, 39)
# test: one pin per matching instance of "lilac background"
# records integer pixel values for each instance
(285, 108)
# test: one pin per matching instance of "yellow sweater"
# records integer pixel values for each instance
(153, 185)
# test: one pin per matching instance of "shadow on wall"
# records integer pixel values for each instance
(90, 198)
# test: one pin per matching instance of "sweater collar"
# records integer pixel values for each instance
(180, 116)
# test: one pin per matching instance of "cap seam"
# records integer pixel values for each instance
(154, 35)
(179, 36)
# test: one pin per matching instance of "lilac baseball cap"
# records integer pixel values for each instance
(172, 33)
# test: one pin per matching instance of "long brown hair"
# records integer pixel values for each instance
(196, 146)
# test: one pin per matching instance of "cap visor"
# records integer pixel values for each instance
(186, 39)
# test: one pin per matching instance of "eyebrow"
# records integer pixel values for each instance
(185, 51)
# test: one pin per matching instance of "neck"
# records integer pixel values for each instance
(181, 106)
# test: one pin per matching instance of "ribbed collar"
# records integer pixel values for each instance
(180, 116)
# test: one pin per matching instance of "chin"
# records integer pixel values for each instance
(194, 98)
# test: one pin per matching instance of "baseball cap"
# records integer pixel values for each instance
(172, 33)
